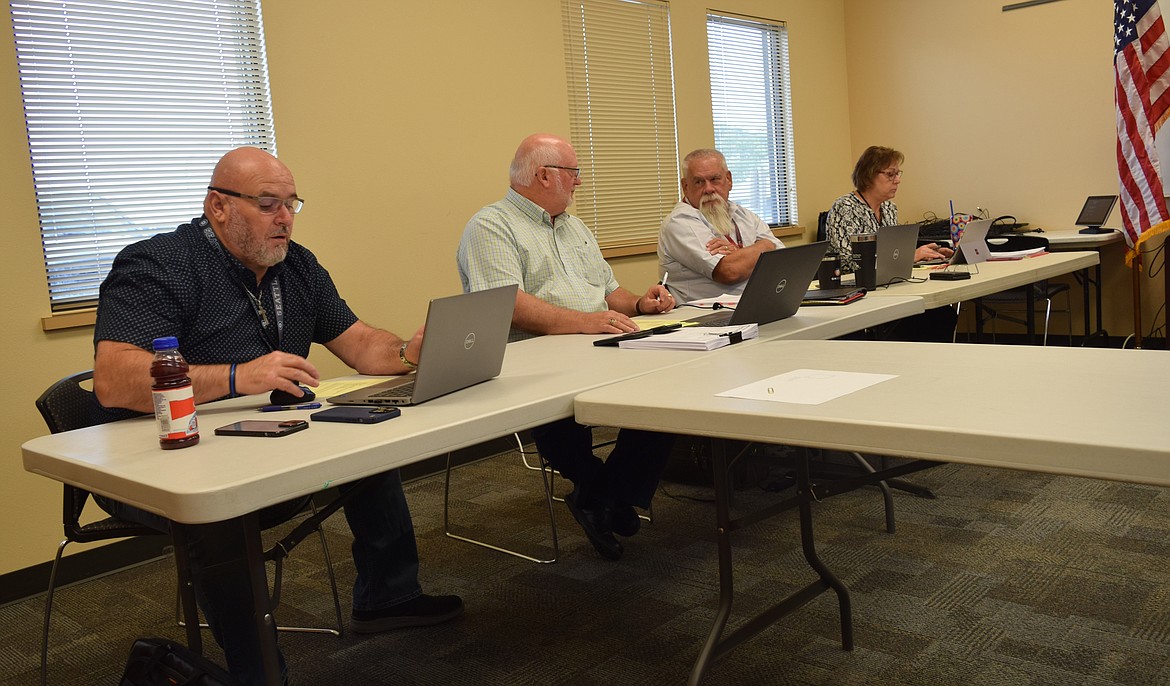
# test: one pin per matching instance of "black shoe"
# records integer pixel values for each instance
(423, 610)
(596, 528)
(624, 520)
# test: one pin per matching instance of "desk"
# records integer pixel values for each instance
(212, 482)
(1128, 438)
(539, 379)
(818, 322)
(993, 277)
(1072, 239)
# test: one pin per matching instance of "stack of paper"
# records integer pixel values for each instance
(1014, 254)
(694, 338)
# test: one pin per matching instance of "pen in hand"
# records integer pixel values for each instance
(658, 298)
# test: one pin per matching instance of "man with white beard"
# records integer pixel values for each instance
(709, 245)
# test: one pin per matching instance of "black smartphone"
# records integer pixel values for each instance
(263, 427)
(356, 415)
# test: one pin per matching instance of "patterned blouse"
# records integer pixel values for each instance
(849, 216)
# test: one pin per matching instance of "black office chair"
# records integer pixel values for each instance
(68, 405)
(822, 226)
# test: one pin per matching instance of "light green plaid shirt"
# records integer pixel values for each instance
(514, 241)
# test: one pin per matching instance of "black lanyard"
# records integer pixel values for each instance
(255, 299)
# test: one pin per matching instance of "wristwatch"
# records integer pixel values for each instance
(402, 356)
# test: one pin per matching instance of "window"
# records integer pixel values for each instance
(129, 104)
(621, 112)
(751, 106)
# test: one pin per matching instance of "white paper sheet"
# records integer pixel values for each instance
(806, 386)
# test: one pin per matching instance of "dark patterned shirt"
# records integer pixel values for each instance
(850, 216)
(186, 285)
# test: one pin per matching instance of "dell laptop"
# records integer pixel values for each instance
(775, 288)
(895, 253)
(464, 344)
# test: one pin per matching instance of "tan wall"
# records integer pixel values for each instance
(1010, 111)
(398, 120)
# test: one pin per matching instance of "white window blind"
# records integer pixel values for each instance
(129, 104)
(751, 105)
(621, 112)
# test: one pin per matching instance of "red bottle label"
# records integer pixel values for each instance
(174, 412)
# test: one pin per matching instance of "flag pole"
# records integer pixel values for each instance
(1136, 270)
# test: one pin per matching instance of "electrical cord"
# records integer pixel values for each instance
(712, 306)
(1155, 265)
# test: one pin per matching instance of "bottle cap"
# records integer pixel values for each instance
(166, 343)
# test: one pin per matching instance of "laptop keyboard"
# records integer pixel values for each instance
(404, 391)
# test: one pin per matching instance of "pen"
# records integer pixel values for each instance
(278, 408)
(662, 283)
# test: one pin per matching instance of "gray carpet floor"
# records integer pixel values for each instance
(1005, 578)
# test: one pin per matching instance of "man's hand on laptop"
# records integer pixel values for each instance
(414, 346)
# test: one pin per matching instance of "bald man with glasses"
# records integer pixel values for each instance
(246, 303)
(566, 286)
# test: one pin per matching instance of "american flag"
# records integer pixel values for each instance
(1142, 92)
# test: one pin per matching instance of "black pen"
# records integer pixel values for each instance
(614, 340)
(663, 329)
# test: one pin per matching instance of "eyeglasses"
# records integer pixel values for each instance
(266, 203)
(892, 174)
(576, 171)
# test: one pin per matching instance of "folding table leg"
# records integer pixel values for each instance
(723, 541)
(265, 623)
(186, 588)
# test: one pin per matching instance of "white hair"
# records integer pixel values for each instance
(523, 170)
(702, 154)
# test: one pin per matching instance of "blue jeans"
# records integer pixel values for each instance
(384, 554)
(629, 476)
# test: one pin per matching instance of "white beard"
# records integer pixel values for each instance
(714, 208)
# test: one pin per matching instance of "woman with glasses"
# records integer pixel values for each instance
(876, 177)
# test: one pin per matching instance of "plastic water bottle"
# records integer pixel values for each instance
(174, 399)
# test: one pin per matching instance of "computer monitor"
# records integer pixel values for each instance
(1096, 212)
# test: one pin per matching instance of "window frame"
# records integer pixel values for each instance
(128, 106)
(776, 202)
